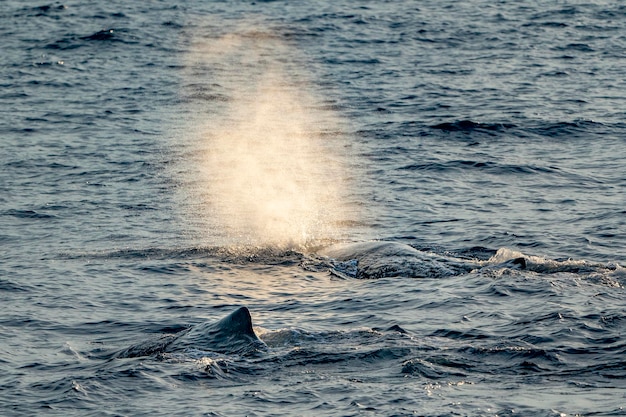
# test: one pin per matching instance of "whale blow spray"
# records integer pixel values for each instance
(268, 151)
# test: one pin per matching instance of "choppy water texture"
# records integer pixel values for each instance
(421, 205)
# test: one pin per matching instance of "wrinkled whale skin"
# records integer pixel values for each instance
(379, 259)
(347, 251)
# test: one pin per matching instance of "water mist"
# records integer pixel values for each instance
(267, 152)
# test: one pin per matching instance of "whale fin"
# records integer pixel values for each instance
(239, 321)
(231, 335)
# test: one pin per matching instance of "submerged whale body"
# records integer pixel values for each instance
(379, 259)
(233, 335)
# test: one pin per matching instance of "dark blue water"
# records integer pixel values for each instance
(421, 204)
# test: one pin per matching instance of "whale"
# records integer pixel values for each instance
(232, 334)
(381, 259)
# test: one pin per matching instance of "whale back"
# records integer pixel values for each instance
(379, 259)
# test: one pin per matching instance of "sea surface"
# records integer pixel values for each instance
(420, 203)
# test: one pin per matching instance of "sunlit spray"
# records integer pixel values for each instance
(268, 153)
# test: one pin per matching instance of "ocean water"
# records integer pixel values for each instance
(421, 205)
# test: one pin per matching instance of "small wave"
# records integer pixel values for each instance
(565, 129)
(10, 286)
(267, 255)
(471, 334)
(48, 9)
(319, 355)
(206, 96)
(553, 129)
(298, 337)
(431, 370)
(578, 47)
(101, 35)
(547, 24)
(512, 352)
(487, 166)
(73, 41)
(27, 214)
(211, 368)
(469, 125)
